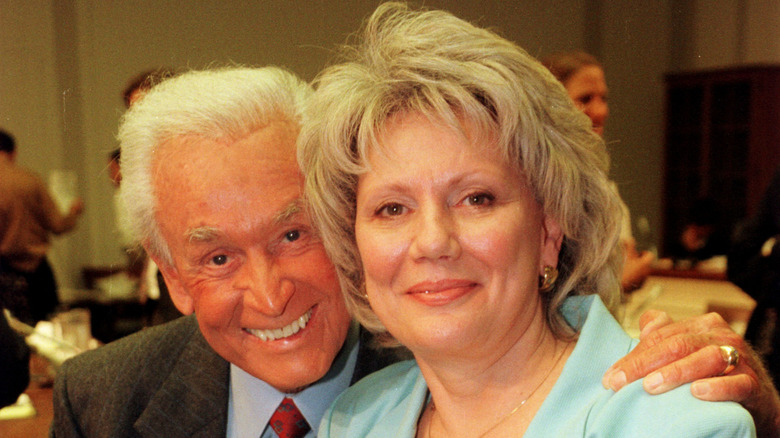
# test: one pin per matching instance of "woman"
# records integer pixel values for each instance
(465, 203)
(583, 77)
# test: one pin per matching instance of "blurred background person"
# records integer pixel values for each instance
(136, 258)
(583, 77)
(704, 236)
(754, 266)
(28, 215)
(158, 306)
(14, 363)
(143, 82)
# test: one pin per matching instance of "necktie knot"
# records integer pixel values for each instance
(287, 421)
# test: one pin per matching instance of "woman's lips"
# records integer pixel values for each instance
(441, 292)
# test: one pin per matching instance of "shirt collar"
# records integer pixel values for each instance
(252, 401)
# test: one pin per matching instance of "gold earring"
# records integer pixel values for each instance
(547, 280)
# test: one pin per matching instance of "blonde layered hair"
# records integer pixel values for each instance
(433, 63)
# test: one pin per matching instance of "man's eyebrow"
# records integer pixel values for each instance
(202, 234)
(206, 234)
(292, 209)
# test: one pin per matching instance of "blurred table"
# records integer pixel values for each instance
(684, 296)
(111, 295)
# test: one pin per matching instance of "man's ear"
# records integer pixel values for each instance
(179, 295)
(552, 239)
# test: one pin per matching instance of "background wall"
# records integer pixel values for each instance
(64, 64)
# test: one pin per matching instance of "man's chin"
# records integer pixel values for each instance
(292, 384)
(290, 378)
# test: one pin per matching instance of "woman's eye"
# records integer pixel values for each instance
(219, 259)
(584, 100)
(391, 210)
(479, 199)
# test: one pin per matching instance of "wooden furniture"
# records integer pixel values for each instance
(683, 297)
(689, 273)
(722, 142)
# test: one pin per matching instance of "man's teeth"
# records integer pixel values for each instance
(289, 330)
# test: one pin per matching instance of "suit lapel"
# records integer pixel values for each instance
(193, 399)
(371, 358)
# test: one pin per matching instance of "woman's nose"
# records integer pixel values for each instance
(434, 235)
(597, 110)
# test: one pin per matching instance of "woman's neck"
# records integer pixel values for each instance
(475, 395)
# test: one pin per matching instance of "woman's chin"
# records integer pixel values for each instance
(438, 340)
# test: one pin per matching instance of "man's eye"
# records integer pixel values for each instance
(219, 260)
(391, 210)
(292, 236)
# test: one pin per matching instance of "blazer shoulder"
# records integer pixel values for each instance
(110, 387)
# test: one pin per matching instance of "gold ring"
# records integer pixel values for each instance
(731, 356)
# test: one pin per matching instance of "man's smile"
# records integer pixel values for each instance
(283, 332)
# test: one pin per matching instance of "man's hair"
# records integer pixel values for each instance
(145, 81)
(563, 65)
(432, 63)
(7, 142)
(224, 105)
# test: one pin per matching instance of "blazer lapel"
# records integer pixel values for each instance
(193, 400)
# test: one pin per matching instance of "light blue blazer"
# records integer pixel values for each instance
(388, 403)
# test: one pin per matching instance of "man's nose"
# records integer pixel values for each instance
(264, 285)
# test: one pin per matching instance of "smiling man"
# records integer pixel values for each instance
(213, 191)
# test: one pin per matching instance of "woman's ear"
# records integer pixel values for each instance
(552, 239)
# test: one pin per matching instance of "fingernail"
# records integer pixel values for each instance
(653, 381)
(700, 389)
(617, 380)
(605, 378)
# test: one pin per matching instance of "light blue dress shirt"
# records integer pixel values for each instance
(252, 401)
(388, 403)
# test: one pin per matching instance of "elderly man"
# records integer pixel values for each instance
(211, 181)
(213, 189)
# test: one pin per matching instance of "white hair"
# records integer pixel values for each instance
(224, 104)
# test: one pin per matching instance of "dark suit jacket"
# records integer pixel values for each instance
(164, 381)
(759, 275)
